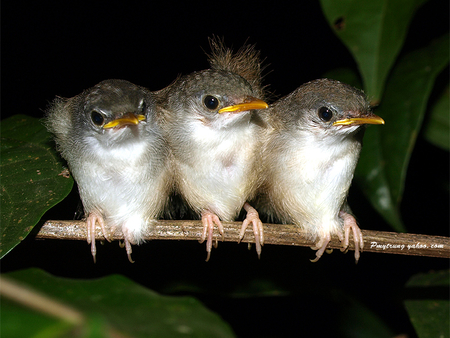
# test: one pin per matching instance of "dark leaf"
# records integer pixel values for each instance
(427, 303)
(118, 305)
(374, 32)
(437, 130)
(31, 180)
(387, 149)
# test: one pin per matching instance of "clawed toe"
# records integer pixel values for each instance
(208, 220)
(258, 230)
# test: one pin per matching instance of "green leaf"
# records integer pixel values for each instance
(428, 305)
(118, 304)
(14, 317)
(387, 149)
(357, 320)
(374, 32)
(345, 75)
(437, 130)
(30, 178)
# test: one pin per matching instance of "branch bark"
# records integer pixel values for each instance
(278, 234)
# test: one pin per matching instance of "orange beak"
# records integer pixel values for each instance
(126, 119)
(373, 119)
(249, 104)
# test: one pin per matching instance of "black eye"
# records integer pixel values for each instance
(97, 118)
(325, 114)
(142, 105)
(211, 102)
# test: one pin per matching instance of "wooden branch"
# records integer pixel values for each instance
(30, 298)
(280, 234)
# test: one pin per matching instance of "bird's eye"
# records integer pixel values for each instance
(211, 102)
(97, 118)
(325, 114)
(142, 105)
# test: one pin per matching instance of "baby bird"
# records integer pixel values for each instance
(112, 143)
(310, 154)
(212, 135)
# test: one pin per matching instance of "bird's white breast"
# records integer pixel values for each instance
(315, 175)
(217, 167)
(117, 182)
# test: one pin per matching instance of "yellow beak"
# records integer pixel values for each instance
(249, 104)
(127, 119)
(374, 119)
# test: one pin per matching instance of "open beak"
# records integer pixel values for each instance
(126, 119)
(249, 104)
(372, 119)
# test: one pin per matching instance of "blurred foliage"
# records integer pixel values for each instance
(428, 305)
(438, 126)
(30, 177)
(387, 150)
(126, 308)
(374, 31)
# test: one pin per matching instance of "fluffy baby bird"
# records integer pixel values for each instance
(212, 135)
(111, 141)
(310, 155)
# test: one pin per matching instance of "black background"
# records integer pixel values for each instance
(61, 48)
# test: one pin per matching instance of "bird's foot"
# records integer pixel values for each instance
(127, 245)
(91, 221)
(208, 220)
(321, 246)
(350, 224)
(258, 231)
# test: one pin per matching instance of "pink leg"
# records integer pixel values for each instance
(350, 223)
(129, 250)
(90, 222)
(258, 231)
(208, 220)
(321, 246)
(127, 244)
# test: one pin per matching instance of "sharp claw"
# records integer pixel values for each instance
(243, 228)
(208, 221)
(321, 246)
(350, 224)
(103, 227)
(258, 231)
(205, 230)
(94, 251)
(127, 241)
(88, 238)
(90, 224)
(216, 243)
(209, 240)
(129, 250)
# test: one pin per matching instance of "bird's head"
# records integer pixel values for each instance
(329, 107)
(114, 111)
(216, 98)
